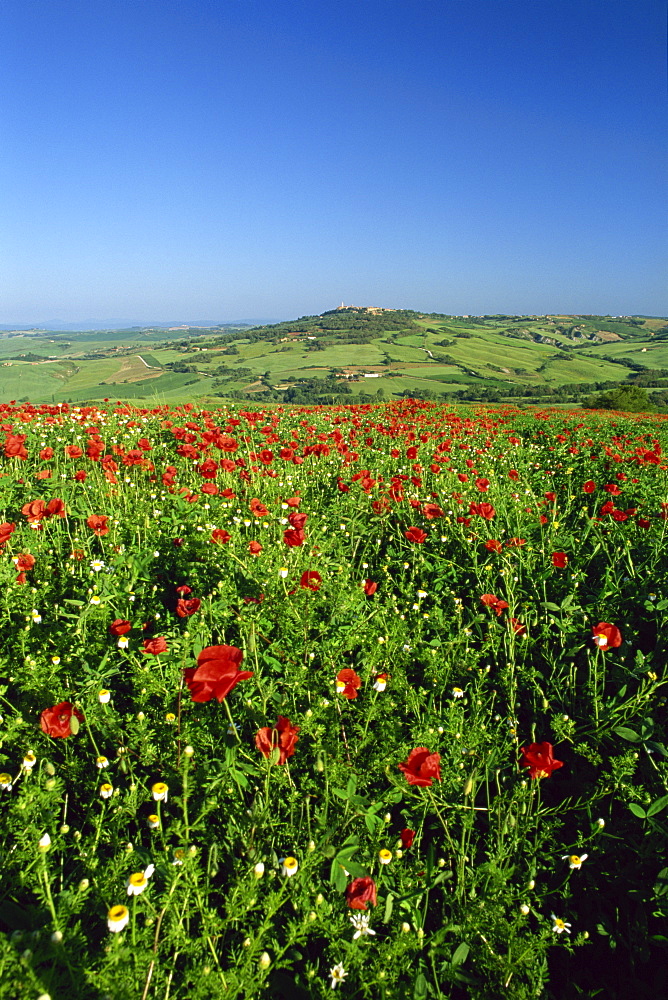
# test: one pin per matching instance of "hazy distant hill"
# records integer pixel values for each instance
(127, 324)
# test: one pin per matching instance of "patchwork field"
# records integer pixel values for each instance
(504, 354)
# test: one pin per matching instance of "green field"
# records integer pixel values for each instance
(433, 354)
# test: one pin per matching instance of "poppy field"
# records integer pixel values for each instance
(356, 700)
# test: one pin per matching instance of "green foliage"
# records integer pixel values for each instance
(631, 399)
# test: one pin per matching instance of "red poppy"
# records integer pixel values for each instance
(517, 626)
(407, 838)
(432, 511)
(208, 469)
(254, 548)
(98, 524)
(187, 606)
(257, 508)
(298, 520)
(482, 485)
(34, 511)
(281, 737)
(538, 758)
(589, 486)
(415, 535)
(370, 587)
(80, 476)
(55, 508)
(56, 721)
(421, 767)
(216, 674)
(73, 451)
(485, 510)
(46, 474)
(347, 683)
(293, 501)
(6, 531)
(560, 560)
(613, 489)
(294, 537)
(45, 454)
(24, 562)
(14, 446)
(360, 892)
(490, 601)
(514, 475)
(607, 636)
(155, 646)
(515, 543)
(493, 546)
(310, 580)
(220, 536)
(120, 626)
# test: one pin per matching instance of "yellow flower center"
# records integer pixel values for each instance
(117, 913)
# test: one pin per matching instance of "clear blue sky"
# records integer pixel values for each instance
(228, 159)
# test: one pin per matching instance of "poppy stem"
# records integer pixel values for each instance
(49, 897)
(229, 716)
(443, 823)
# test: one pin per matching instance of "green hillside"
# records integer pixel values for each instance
(345, 354)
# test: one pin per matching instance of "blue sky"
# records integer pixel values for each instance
(227, 159)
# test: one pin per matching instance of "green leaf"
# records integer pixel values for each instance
(357, 871)
(239, 777)
(338, 876)
(637, 810)
(627, 734)
(658, 805)
(372, 822)
(551, 606)
(461, 954)
(420, 988)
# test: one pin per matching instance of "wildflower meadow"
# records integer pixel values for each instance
(364, 701)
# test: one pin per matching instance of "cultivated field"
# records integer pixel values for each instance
(416, 353)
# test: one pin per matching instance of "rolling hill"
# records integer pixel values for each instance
(342, 355)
